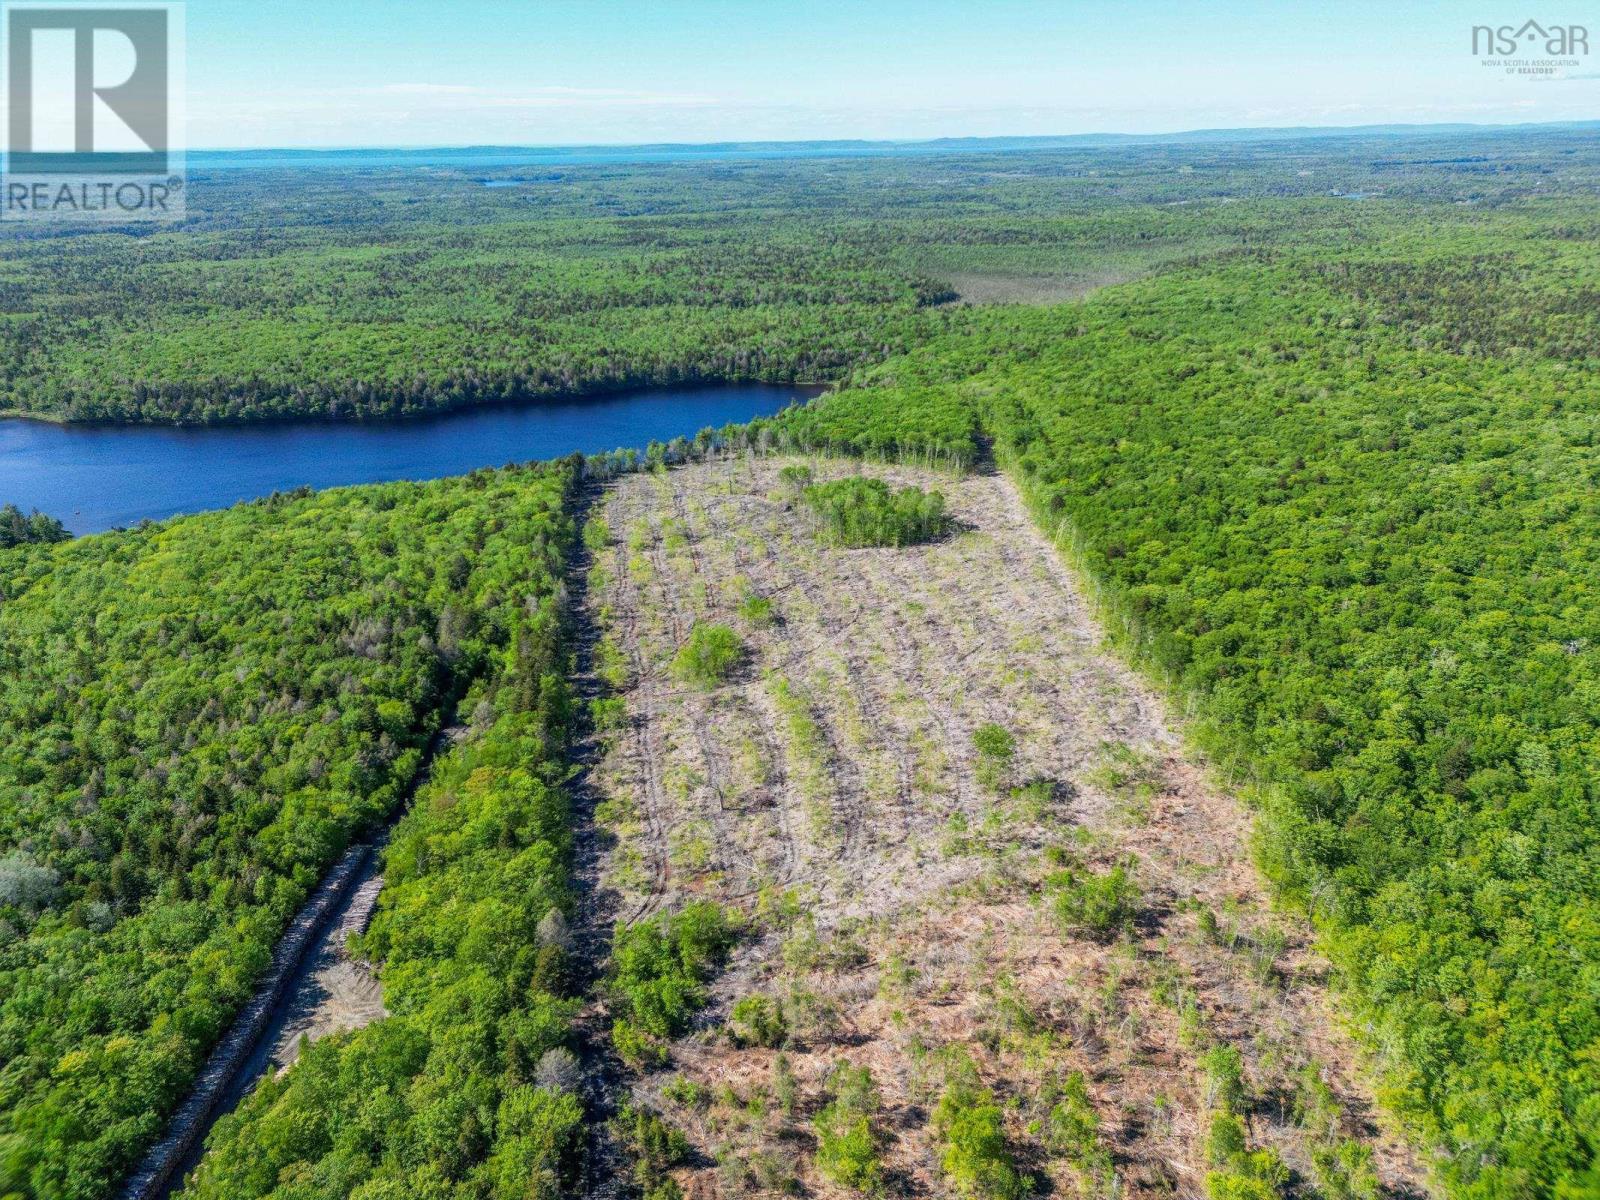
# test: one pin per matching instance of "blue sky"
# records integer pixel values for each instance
(554, 72)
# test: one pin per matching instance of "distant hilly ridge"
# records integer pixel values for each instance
(488, 155)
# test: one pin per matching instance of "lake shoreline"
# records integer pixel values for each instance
(95, 477)
(268, 420)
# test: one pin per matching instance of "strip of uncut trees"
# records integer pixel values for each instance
(189, 1125)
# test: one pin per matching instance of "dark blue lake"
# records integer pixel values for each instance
(94, 478)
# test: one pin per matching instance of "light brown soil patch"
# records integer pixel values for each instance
(334, 992)
(1032, 289)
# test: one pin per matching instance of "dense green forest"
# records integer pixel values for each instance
(333, 294)
(470, 1087)
(196, 719)
(1347, 510)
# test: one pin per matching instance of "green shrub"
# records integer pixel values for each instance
(1224, 1078)
(848, 1147)
(974, 1156)
(1073, 1128)
(858, 512)
(658, 971)
(1316, 1107)
(608, 713)
(1241, 1174)
(773, 1171)
(596, 534)
(847, 1150)
(709, 656)
(794, 480)
(611, 663)
(1225, 1140)
(636, 1046)
(785, 1088)
(757, 1021)
(653, 1148)
(1225, 1185)
(685, 1091)
(757, 611)
(1099, 905)
(1257, 1176)
(1037, 799)
(1343, 1171)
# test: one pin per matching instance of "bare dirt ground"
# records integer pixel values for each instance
(334, 992)
(974, 288)
(896, 896)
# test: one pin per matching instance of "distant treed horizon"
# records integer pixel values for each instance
(508, 154)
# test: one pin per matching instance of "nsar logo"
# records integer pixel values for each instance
(1532, 48)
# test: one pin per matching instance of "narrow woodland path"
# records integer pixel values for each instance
(299, 994)
(899, 891)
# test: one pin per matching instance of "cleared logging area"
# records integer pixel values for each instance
(927, 901)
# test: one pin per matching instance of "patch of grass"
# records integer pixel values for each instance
(808, 752)
(751, 762)
(997, 750)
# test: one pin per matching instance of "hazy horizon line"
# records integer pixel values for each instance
(1189, 132)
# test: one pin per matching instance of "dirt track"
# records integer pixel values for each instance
(831, 790)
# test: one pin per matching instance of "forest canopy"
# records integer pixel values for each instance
(1349, 511)
(249, 691)
(330, 294)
